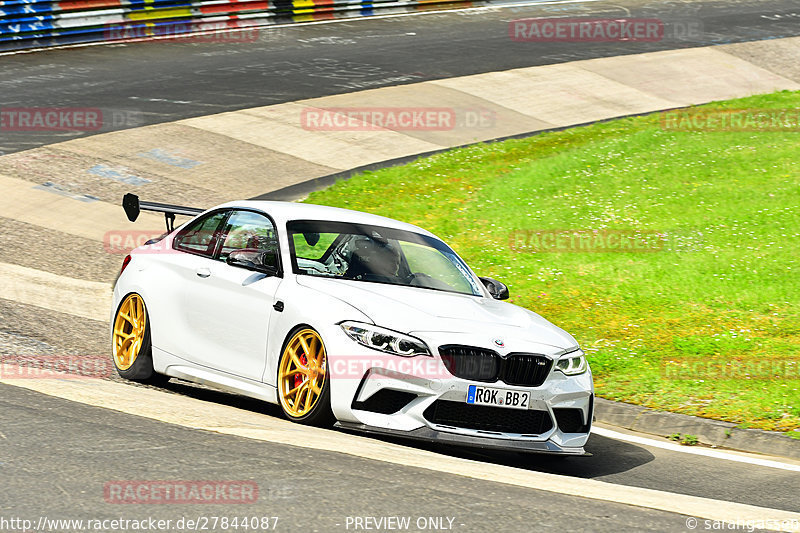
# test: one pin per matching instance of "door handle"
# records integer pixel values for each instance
(203, 272)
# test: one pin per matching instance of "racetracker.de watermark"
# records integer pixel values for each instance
(395, 118)
(51, 119)
(731, 120)
(586, 241)
(213, 522)
(180, 492)
(124, 241)
(55, 367)
(39, 119)
(706, 368)
(185, 33)
(594, 30)
(378, 366)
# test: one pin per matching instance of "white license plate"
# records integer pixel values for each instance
(512, 399)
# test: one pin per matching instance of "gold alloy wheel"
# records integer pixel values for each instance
(129, 329)
(302, 372)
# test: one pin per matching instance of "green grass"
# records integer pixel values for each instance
(724, 289)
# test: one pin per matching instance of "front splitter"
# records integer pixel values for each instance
(486, 443)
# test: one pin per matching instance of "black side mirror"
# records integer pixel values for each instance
(264, 261)
(312, 238)
(497, 290)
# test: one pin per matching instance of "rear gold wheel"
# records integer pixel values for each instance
(303, 388)
(129, 331)
(130, 339)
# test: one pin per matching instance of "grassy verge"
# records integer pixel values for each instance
(708, 324)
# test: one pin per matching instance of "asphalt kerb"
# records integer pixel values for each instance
(301, 190)
(712, 432)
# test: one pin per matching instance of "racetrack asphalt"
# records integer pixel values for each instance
(308, 490)
(64, 477)
(156, 82)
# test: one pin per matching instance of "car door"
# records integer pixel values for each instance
(228, 308)
(174, 327)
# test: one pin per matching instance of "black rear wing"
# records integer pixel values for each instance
(132, 207)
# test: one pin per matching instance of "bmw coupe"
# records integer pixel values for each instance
(348, 319)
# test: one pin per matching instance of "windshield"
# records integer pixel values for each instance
(376, 254)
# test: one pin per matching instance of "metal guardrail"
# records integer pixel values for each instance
(26, 24)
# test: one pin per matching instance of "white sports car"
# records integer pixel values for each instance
(347, 318)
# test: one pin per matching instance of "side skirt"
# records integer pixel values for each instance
(173, 366)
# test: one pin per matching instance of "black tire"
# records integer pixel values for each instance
(320, 414)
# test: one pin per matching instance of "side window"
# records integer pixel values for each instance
(304, 249)
(246, 230)
(200, 236)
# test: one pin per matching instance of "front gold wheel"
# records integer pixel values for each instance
(130, 327)
(302, 376)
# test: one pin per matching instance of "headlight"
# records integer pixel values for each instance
(385, 340)
(572, 365)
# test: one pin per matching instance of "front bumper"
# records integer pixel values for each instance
(420, 386)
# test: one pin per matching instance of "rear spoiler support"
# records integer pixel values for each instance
(132, 207)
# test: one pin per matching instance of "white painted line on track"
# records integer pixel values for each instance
(714, 454)
(76, 297)
(194, 413)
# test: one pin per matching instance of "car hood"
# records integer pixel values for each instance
(414, 309)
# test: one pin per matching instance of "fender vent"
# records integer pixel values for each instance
(570, 420)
